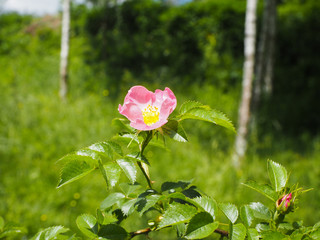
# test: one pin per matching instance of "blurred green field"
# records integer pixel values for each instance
(37, 128)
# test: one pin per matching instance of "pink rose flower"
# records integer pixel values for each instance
(147, 110)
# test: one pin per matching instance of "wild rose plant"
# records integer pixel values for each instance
(178, 205)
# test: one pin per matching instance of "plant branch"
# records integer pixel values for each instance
(222, 232)
(143, 145)
(140, 232)
(145, 174)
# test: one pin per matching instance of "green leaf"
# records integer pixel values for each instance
(50, 233)
(54, 232)
(264, 189)
(278, 175)
(195, 110)
(90, 153)
(260, 211)
(105, 218)
(262, 227)
(207, 204)
(230, 210)
(137, 157)
(270, 235)
(113, 172)
(11, 230)
(188, 105)
(238, 232)
(1, 223)
(87, 224)
(175, 131)
(129, 168)
(102, 147)
(144, 204)
(76, 169)
(201, 226)
(128, 207)
(113, 231)
(128, 188)
(253, 234)
(174, 185)
(111, 200)
(123, 124)
(247, 216)
(177, 213)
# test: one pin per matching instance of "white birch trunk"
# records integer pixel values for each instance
(268, 79)
(248, 69)
(64, 54)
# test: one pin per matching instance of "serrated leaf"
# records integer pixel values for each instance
(115, 147)
(175, 131)
(128, 207)
(129, 168)
(260, 211)
(278, 175)
(207, 204)
(54, 232)
(253, 234)
(128, 138)
(181, 229)
(105, 218)
(102, 147)
(112, 232)
(174, 185)
(230, 210)
(262, 227)
(315, 234)
(238, 232)
(270, 235)
(128, 188)
(145, 203)
(194, 110)
(264, 189)
(12, 230)
(111, 200)
(76, 169)
(122, 124)
(89, 153)
(246, 215)
(201, 226)
(138, 157)
(188, 105)
(87, 224)
(113, 172)
(177, 213)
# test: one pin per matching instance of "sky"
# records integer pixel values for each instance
(38, 7)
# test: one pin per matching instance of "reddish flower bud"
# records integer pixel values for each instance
(284, 202)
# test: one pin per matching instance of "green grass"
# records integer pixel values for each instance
(36, 129)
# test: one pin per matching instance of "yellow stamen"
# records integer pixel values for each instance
(150, 115)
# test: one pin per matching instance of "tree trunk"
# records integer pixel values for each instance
(64, 54)
(248, 69)
(268, 79)
(265, 54)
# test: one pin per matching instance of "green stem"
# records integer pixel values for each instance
(145, 175)
(142, 148)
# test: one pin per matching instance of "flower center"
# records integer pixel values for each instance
(150, 115)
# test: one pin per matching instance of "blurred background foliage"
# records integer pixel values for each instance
(196, 49)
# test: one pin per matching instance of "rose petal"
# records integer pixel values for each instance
(139, 95)
(131, 111)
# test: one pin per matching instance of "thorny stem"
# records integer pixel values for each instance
(143, 145)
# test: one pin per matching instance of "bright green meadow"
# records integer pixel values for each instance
(37, 128)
